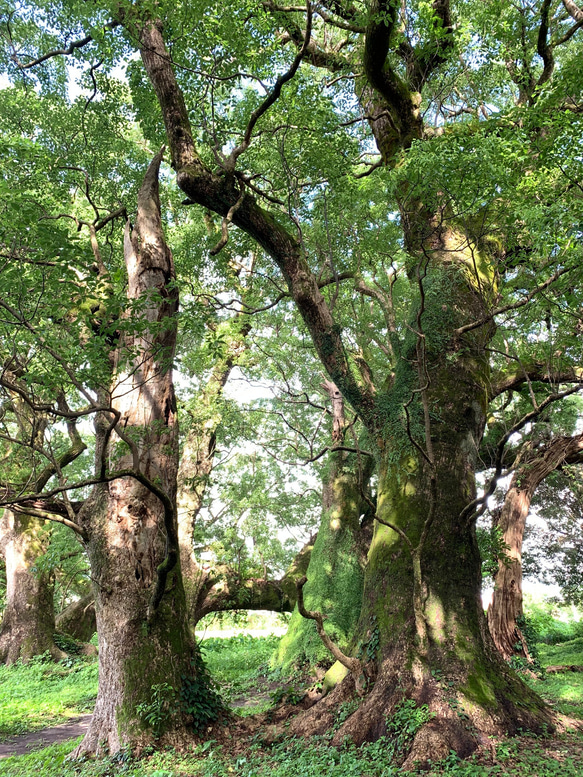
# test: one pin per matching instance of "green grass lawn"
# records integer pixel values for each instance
(33, 694)
(42, 693)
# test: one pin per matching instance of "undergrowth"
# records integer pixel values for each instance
(239, 666)
(44, 693)
(519, 757)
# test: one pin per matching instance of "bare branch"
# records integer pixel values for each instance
(474, 509)
(273, 96)
(77, 44)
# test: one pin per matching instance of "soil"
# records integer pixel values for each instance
(45, 737)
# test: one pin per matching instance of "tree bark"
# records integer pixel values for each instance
(218, 590)
(421, 603)
(144, 638)
(506, 605)
(335, 572)
(78, 619)
(28, 624)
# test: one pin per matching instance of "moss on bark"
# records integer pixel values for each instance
(335, 574)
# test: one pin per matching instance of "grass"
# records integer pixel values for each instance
(240, 666)
(564, 691)
(570, 652)
(42, 693)
(520, 757)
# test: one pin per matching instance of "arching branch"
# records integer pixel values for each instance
(354, 665)
(76, 44)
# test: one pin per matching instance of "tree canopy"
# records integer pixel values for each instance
(384, 197)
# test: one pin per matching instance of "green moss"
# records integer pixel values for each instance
(334, 676)
(479, 687)
(334, 587)
(159, 660)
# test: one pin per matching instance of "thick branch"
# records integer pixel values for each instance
(272, 96)
(512, 379)
(544, 50)
(48, 515)
(381, 76)
(219, 193)
(573, 10)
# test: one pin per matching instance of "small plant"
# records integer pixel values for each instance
(345, 710)
(67, 644)
(159, 709)
(404, 723)
(518, 662)
(289, 695)
(199, 695)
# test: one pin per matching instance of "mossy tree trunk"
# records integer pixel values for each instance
(506, 605)
(335, 571)
(28, 624)
(422, 610)
(78, 619)
(421, 601)
(145, 644)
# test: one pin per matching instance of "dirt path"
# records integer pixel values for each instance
(45, 737)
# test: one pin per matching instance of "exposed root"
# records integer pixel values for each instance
(451, 719)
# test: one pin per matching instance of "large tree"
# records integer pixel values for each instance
(428, 229)
(128, 521)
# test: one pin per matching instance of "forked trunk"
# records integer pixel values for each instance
(421, 595)
(28, 624)
(146, 652)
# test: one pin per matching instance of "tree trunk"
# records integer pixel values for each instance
(335, 572)
(28, 624)
(506, 605)
(220, 591)
(145, 647)
(422, 617)
(78, 619)
(421, 602)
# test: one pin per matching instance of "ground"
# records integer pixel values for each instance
(237, 745)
